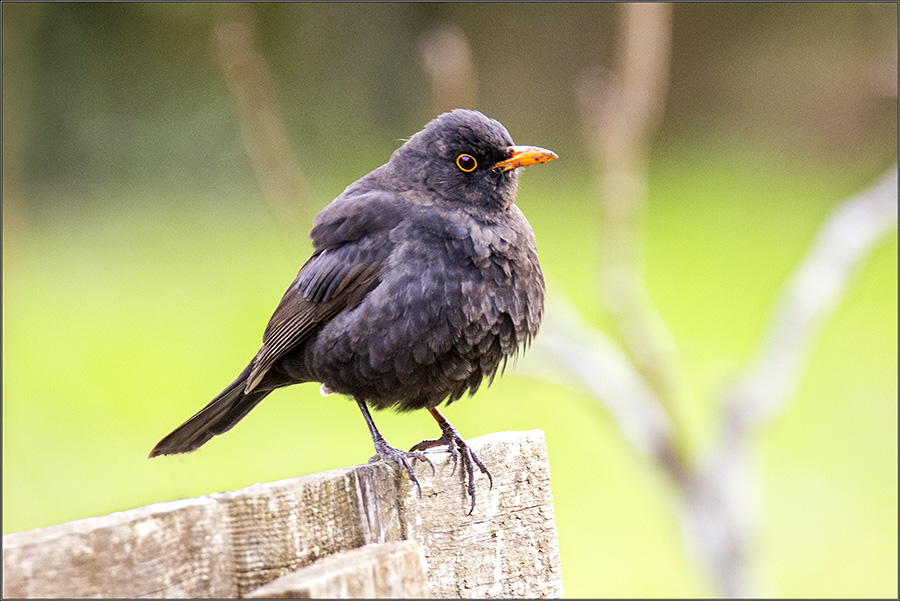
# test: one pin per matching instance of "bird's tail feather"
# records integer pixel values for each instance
(219, 416)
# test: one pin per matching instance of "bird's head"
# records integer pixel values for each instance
(467, 158)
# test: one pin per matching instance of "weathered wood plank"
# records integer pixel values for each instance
(380, 571)
(278, 527)
(176, 549)
(228, 544)
(508, 547)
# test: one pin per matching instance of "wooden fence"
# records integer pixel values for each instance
(354, 532)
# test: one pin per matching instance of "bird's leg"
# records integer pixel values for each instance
(457, 446)
(386, 451)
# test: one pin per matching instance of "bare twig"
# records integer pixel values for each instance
(621, 113)
(262, 125)
(447, 60)
(806, 300)
(586, 356)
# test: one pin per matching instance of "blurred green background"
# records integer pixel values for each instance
(140, 263)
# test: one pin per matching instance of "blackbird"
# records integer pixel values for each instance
(423, 282)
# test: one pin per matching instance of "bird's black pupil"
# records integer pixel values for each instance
(466, 162)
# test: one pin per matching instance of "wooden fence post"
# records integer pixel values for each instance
(354, 532)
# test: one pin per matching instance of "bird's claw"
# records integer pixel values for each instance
(386, 452)
(458, 447)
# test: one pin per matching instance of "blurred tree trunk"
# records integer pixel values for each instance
(21, 24)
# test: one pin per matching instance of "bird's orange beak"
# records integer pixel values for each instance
(522, 156)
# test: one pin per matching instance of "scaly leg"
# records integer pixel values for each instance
(386, 451)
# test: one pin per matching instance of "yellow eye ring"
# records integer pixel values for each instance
(466, 162)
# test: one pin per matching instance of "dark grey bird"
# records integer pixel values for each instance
(423, 282)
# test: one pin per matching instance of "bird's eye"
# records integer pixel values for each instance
(466, 162)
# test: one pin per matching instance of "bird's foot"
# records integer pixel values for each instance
(402, 458)
(458, 448)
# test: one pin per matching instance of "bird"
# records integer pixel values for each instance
(423, 282)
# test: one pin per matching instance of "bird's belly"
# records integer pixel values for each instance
(421, 337)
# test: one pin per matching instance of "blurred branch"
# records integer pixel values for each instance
(807, 299)
(621, 112)
(718, 496)
(882, 77)
(447, 60)
(719, 512)
(642, 389)
(569, 345)
(262, 125)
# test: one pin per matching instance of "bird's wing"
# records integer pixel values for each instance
(351, 240)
